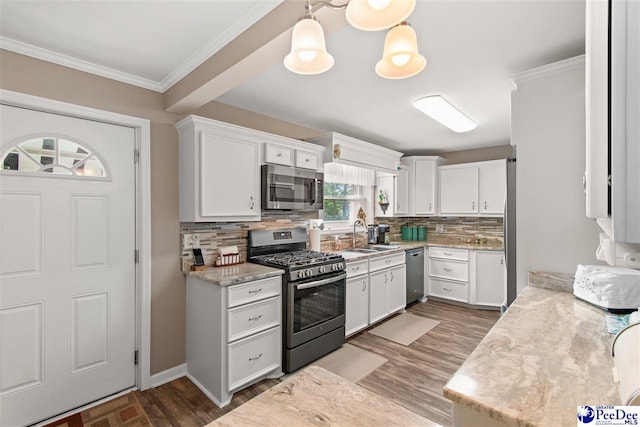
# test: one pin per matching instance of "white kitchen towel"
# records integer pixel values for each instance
(227, 250)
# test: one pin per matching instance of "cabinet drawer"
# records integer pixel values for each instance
(357, 268)
(449, 269)
(248, 319)
(449, 253)
(458, 291)
(376, 263)
(307, 159)
(253, 357)
(278, 154)
(253, 291)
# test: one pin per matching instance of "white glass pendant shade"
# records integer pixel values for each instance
(375, 15)
(308, 51)
(400, 58)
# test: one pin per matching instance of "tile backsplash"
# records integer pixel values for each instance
(213, 235)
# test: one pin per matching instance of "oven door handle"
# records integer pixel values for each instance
(321, 282)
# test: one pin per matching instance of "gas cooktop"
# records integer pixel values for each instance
(295, 259)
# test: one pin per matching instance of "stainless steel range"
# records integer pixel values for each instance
(313, 293)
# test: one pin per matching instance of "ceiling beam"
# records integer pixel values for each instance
(258, 48)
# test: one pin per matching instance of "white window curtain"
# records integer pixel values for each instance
(346, 174)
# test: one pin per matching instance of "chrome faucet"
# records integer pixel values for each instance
(355, 224)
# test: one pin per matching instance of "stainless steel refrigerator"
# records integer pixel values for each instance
(509, 229)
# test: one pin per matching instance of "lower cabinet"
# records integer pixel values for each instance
(475, 277)
(376, 288)
(357, 304)
(488, 278)
(234, 335)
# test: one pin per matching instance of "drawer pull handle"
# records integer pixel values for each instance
(307, 160)
(385, 278)
(355, 268)
(447, 253)
(391, 272)
(251, 359)
(388, 261)
(447, 289)
(279, 154)
(255, 291)
(364, 286)
(254, 318)
(447, 269)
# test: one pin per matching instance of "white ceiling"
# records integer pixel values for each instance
(149, 43)
(472, 47)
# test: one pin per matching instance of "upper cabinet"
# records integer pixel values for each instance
(493, 187)
(220, 168)
(458, 190)
(423, 184)
(472, 189)
(401, 192)
(219, 172)
(612, 130)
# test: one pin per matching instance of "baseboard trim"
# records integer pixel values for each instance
(168, 375)
(217, 402)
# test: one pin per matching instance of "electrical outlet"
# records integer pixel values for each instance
(190, 241)
(439, 228)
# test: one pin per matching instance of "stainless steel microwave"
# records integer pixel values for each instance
(293, 189)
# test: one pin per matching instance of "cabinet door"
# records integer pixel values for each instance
(229, 177)
(425, 191)
(459, 190)
(493, 188)
(357, 304)
(397, 290)
(402, 192)
(489, 284)
(378, 297)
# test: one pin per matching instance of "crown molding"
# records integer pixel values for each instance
(77, 64)
(233, 30)
(548, 70)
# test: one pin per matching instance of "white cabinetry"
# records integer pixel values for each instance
(488, 278)
(449, 273)
(612, 131)
(278, 154)
(234, 335)
(387, 285)
(473, 189)
(357, 297)
(469, 276)
(401, 192)
(287, 154)
(219, 172)
(422, 184)
(458, 190)
(493, 187)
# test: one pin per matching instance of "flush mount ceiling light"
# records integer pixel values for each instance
(400, 58)
(443, 112)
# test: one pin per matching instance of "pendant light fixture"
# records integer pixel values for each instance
(400, 58)
(308, 51)
(375, 15)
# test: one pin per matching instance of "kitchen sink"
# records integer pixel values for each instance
(372, 249)
(362, 250)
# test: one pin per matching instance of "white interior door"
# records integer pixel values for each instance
(67, 290)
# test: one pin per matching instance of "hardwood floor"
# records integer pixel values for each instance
(413, 376)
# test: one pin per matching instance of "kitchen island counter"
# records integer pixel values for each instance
(545, 357)
(315, 396)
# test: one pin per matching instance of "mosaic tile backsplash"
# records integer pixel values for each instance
(211, 236)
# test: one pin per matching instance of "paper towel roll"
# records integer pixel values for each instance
(314, 239)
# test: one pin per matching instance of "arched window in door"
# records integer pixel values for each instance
(46, 155)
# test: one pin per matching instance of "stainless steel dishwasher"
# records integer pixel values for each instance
(415, 274)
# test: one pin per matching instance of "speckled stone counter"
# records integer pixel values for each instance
(547, 355)
(317, 397)
(234, 274)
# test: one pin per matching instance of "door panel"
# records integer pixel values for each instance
(67, 295)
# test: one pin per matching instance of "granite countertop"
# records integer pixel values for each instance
(234, 274)
(315, 397)
(546, 356)
(438, 241)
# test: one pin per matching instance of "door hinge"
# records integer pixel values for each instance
(136, 155)
(136, 256)
(135, 357)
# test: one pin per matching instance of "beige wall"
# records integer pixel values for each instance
(478, 154)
